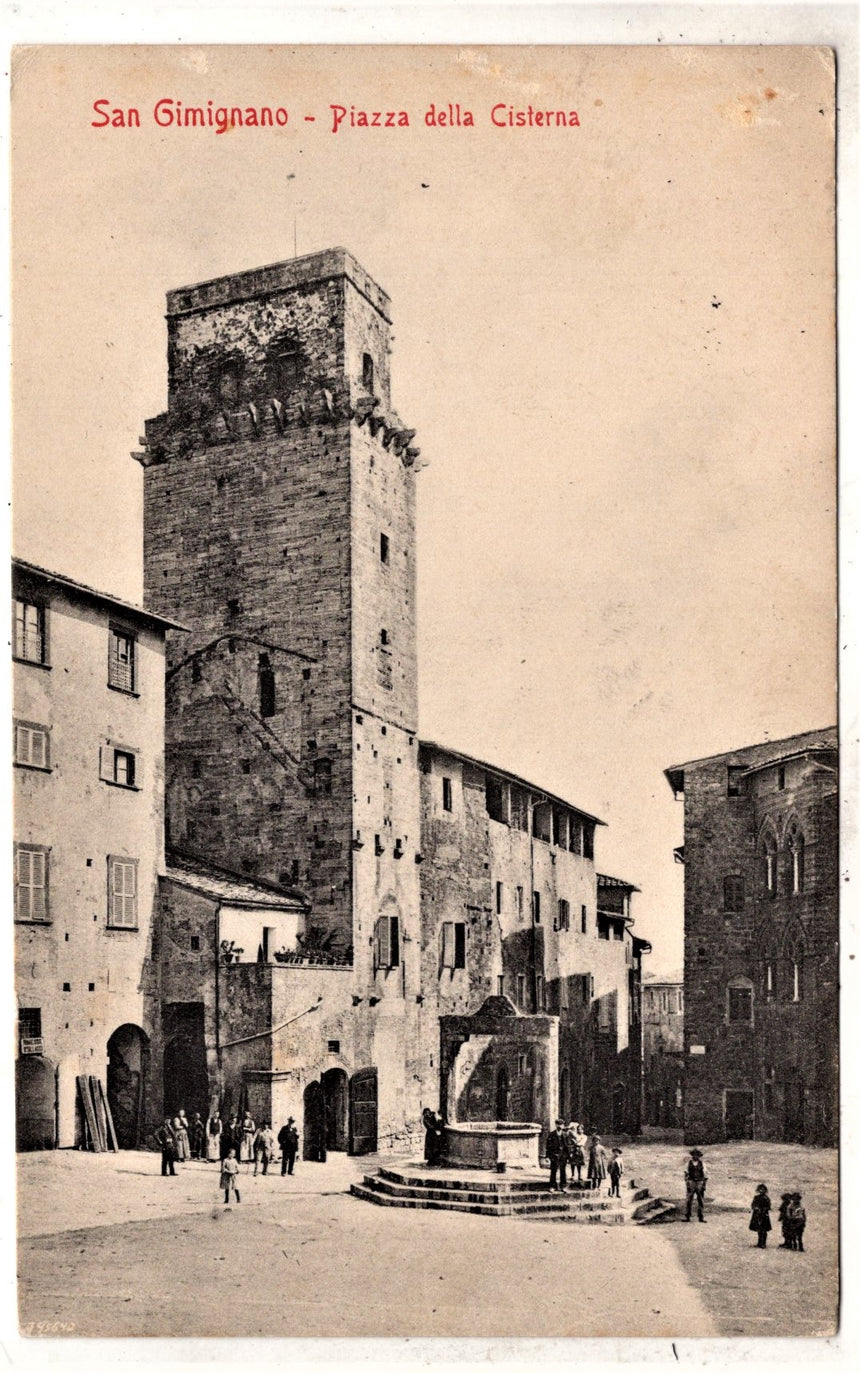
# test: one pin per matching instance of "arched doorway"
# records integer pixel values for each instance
(125, 1083)
(35, 1103)
(503, 1093)
(314, 1132)
(186, 1081)
(334, 1084)
(363, 1111)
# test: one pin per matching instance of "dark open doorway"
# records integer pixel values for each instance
(335, 1090)
(314, 1133)
(126, 1071)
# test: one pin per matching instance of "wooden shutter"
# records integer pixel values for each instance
(383, 942)
(448, 944)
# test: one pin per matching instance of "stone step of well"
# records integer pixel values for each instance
(502, 1184)
(555, 1209)
(380, 1182)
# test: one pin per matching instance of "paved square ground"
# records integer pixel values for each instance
(109, 1247)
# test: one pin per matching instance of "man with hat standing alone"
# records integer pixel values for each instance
(696, 1177)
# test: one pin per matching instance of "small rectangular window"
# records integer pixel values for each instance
(31, 745)
(266, 683)
(121, 660)
(122, 892)
(123, 768)
(587, 841)
(499, 893)
(539, 993)
(521, 989)
(119, 765)
(383, 548)
(454, 944)
(564, 915)
(500, 984)
(584, 920)
(536, 907)
(322, 776)
(367, 371)
(780, 778)
(30, 638)
(447, 794)
(733, 893)
(519, 901)
(195, 943)
(30, 1029)
(31, 882)
(735, 783)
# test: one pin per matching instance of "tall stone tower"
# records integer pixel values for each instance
(279, 526)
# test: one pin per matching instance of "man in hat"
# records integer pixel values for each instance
(288, 1138)
(696, 1178)
(556, 1152)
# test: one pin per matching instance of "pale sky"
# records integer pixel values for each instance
(615, 343)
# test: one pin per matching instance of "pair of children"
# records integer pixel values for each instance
(792, 1217)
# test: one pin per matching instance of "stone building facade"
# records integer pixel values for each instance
(88, 707)
(663, 1050)
(279, 517)
(761, 941)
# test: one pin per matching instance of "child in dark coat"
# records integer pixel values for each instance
(785, 1202)
(616, 1168)
(760, 1218)
(796, 1217)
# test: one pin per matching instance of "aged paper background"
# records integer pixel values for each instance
(616, 342)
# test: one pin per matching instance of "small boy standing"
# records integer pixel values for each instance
(796, 1222)
(760, 1218)
(782, 1215)
(616, 1168)
(229, 1170)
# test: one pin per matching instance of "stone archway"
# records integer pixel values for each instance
(126, 1073)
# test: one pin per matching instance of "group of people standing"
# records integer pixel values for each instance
(792, 1218)
(240, 1138)
(571, 1144)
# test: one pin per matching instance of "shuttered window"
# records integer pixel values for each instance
(31, 745)
(31, 882)
(387, 951)
(122, 892)
(121, 660)
(30, 632)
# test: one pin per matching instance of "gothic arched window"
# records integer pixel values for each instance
(796, 847)
(769, 864)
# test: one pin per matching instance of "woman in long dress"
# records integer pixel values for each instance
(180, 1130)
(596, 1163)
(249, 1130)
(213, 1138)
